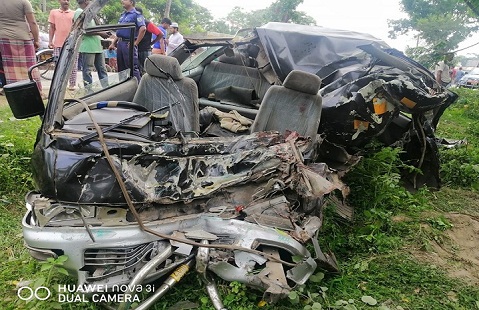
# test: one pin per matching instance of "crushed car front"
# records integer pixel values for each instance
(130, 194)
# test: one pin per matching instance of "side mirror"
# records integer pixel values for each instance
(23, 97)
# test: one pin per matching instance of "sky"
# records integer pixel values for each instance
(368, 16)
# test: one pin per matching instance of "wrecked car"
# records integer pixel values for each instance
(220, 158)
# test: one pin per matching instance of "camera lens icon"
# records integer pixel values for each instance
(27, 293)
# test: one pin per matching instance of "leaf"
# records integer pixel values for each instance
(293, 295)
(364, 266)
(369, 300)
(38, 282)
(262, 303)
(341, 302)
(46, 267)
(452, 296)
(316, 278)
(62, 271)
(204, 300)
(383, 307)
(316, 306)
(313, 295)
(350, 307)
(61, 259)
(297, 258)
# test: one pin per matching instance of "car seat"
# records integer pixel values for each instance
(294, 106)
(162, 85)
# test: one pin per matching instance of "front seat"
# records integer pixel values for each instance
(157, 90)
(295, 106)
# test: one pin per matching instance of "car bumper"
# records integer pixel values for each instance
(126, 241)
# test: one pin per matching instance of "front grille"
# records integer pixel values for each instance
(104, 263)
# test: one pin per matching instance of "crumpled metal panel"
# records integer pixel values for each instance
(309, 48)
(174, 170)
(368, 91)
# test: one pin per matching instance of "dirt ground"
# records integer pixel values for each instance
(457, 250)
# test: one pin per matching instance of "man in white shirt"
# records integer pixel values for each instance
(175, 39)
(442, 75)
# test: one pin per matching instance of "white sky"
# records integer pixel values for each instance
(368, 16)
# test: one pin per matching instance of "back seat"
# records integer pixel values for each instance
(229, 84)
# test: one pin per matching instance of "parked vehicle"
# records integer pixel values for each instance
(470, 79)
(135, 182)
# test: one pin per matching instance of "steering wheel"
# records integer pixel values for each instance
(117, 104)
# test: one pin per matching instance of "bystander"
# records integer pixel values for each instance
(121, 41)
(19, 37)
(61, 21)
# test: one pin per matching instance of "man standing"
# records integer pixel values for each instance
(19, 37)
(130, 15)
(459, 74)
(91, 52)
(441, 72)
(175, 39)
(144, 48)
(60, 21)
(160, 46)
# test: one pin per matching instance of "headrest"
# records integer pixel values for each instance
(166, 63)
(304, 82)
(237, 59)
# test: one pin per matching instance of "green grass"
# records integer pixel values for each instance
(375, 252)
(16, 142)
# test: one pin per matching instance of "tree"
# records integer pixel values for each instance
(279, 11)
(440, 25)
(167, 9)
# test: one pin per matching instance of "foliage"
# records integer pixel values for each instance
(377, 195)
(460, 166)
(440, 26)
(45, 285)
(16, 140)
(190, 16)
(468, 103)
(440, 223)
(376, 181)
(279, 11)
